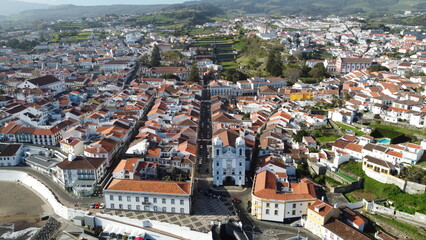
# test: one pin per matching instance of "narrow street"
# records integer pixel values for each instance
(204, 134)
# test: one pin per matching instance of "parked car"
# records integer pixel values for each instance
(96, 205)
(92, 205)
(235, 200)
(102, 205)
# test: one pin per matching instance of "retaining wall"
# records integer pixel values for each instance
(43, 191)
(374, 207)
(406, 186)
(351, 186)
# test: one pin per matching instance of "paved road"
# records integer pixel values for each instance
(63, 196)
(204, 134)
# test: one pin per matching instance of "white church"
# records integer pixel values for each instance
(229, 157)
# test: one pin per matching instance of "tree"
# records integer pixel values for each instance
(274, 65)
(193, 74)
(377, 68)
(155, 57)
(318, 71)
(292, 74)
(422, 74)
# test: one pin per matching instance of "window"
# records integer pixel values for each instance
(173, 210)
(276, 212)
(276, 205)
(112, 205)
(163, 201)
(241, 164)
(119, 198)
(138, 207)
(181, 202)
(154, 200)
(217, 164)
(120, 206)
(146, 208)
(155, 208)
(111, 197)
(164, 209)
(129, 207)
(294, 205)
(267, 204)
(267, 211)
(293, 212)
(129, 198)
(217, 152)
(172, 201)
(137, 199)
(182, 210)
(145, 199)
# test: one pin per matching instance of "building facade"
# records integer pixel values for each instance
(228, 158)
(149, 196)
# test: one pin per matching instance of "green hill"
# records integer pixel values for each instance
(320, 7)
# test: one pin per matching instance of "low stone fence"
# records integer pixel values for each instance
(390, 211)
(349, 187)
(406, 186)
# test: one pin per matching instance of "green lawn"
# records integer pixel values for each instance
(404, 202)
(350, 179)
(333, 182)
(350, 198)
(329, 138)
(412, 231)
(354, 129)
(396, 129)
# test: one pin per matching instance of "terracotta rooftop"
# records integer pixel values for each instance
(150, 186)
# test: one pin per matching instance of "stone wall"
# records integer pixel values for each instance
(349, 187)
(390, 211)
(43, 191)
(406, 186)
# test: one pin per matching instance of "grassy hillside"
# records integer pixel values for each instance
(321, 7)
(72, 11)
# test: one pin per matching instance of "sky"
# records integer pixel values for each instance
(104, 2)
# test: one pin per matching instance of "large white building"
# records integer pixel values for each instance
(80, 174)
(149, 196)
(274, 198)
(10, 154)
(47, 82)
(228, 158)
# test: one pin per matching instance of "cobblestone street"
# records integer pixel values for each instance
(205, 211)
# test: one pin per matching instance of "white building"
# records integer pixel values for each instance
(228, 158)
(80, 174)
(274, 198)
(149, 196)
(48, 82)
(10, 154)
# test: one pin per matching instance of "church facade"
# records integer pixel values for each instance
(228, 153)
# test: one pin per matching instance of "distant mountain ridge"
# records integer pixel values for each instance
(267, 7)
(9, 7)
(320, 7)
(73, 11)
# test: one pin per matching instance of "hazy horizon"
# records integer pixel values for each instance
(102, 2)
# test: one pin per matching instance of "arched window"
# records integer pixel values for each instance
(241, 152)
(217, 151)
